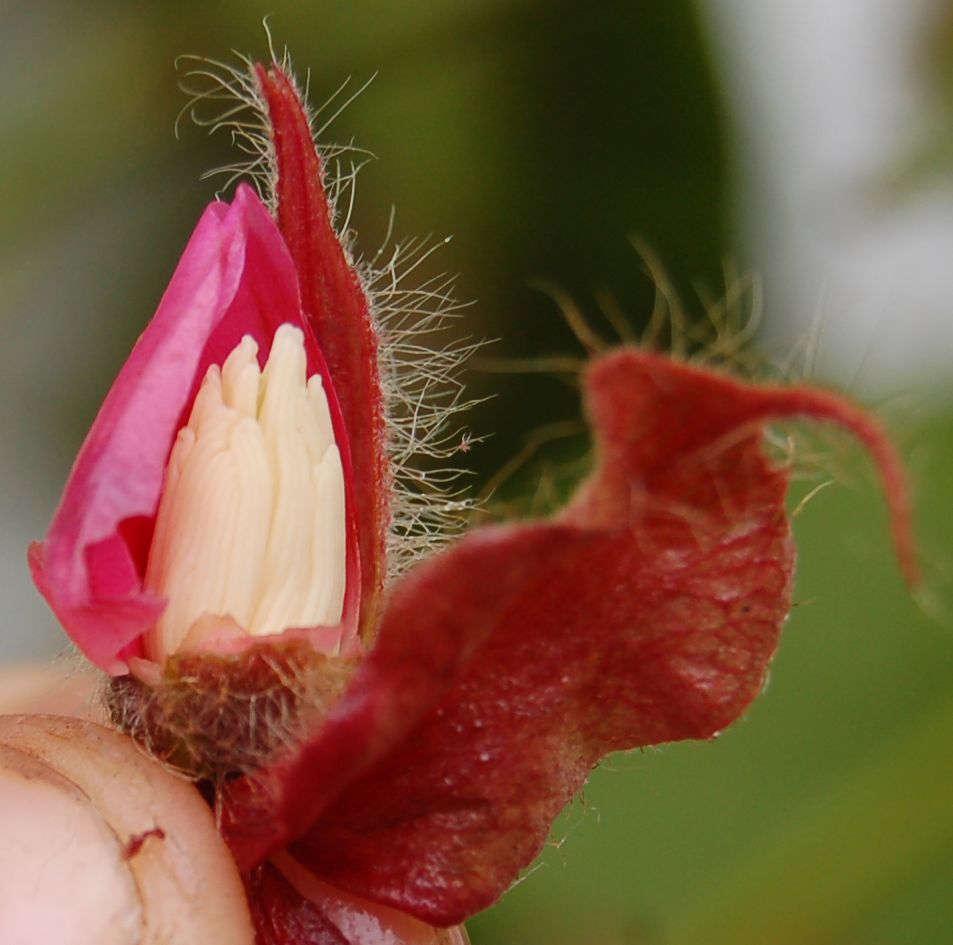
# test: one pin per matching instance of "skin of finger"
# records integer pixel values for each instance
(86, 872)
(189, 885)
(58, 689)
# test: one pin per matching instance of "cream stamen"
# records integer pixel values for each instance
(251, 521)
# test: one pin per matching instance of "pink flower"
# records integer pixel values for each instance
(235, 278)
(431, 734)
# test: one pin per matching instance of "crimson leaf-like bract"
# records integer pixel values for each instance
(647, 611)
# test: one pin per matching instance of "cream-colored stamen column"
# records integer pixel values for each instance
(251, 523)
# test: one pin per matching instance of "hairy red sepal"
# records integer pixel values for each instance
(335, 300)
(506, 667)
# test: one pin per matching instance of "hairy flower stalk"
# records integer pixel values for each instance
(232, 546)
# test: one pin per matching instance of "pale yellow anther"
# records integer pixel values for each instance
(251, 523)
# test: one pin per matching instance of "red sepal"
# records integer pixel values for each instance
(282, 916)
(335, 300)
(289, 907)
(647, 612)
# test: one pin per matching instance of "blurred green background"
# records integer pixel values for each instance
(544, 137)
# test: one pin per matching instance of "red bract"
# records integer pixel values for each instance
(503, 668)
(506, 667)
